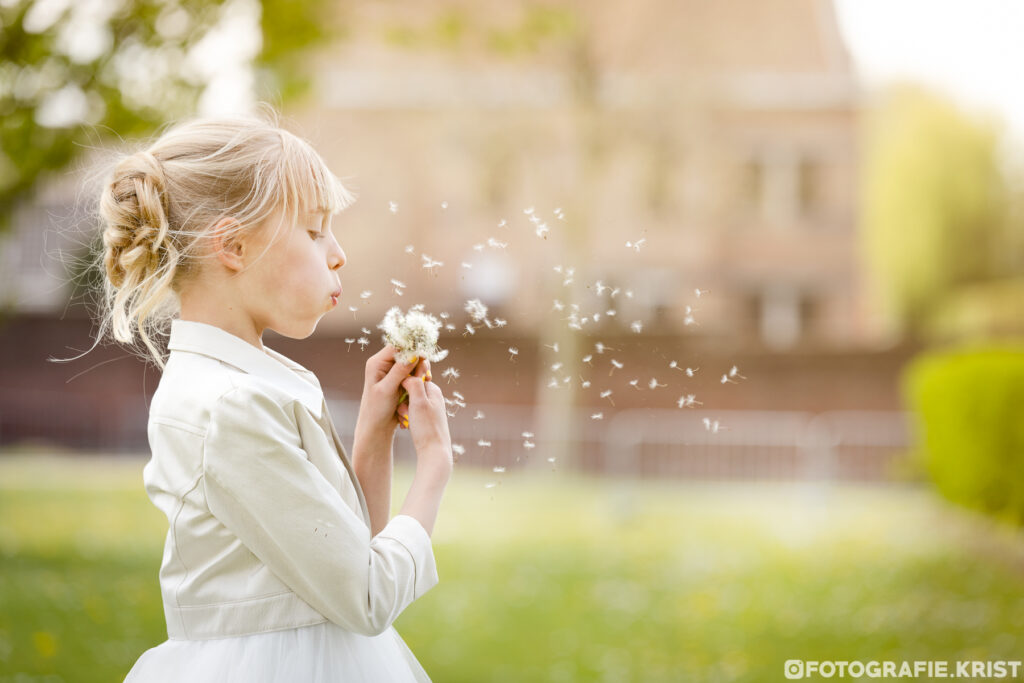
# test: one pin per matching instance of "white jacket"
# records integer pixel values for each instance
(268, 526)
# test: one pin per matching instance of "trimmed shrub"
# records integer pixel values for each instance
(969, 406)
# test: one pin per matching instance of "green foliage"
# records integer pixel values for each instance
(67, 72)
(969, 404)
(551, 577)
(935, 204)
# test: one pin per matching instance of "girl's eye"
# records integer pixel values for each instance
(316, 235)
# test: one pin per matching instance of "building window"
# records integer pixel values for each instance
(752, 185)
(809, 186)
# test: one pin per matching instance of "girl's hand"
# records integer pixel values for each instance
(379, 407)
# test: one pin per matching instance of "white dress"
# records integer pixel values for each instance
(308, 654)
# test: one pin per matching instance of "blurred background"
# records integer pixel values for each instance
(751, 385)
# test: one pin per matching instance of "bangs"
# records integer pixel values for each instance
(308, 185)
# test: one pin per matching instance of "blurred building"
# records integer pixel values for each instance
(528, 142)
(722, 134)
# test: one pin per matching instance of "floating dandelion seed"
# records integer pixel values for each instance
(512, 352)
(654, 384)
(636, 326)
(490, 485)
(483, 442)
(528, 211)
(528, 445)
(725, 378)
(558, 305)
(450, 373)
(413, 334)
(710, 426)
(635, 383)
(699, 292)
(477, 310)
(393, 206)
(688, 400)
(469, 330)
(363, 343)
(449, 326)
(500, 322)
(675, 366)
(397, 283)
(444, 205)
(551, 459)
(527, 435)
(689, 320)
(597, 416)
(478, 247)
(409, 249)
(479, 415)
(553, 384)
(459, 448)
(365, 294)
(467, 266)
(353, 309)
(585, 383)
(502, 223)
(350, 341)
(615, 291)
(734, 372)
(553, 347)
(607, 394)
(430, 263)
(690, 372)
(555, 367)
(601, 348)
(366, 331)
(636, 245)
(542, 230)
(629, 293)
(499, 469)
(618, 366)
(491, 242)
(565, 380)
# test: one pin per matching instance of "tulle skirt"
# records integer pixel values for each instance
(307, 654)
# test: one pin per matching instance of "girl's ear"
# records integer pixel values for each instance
(226, 243)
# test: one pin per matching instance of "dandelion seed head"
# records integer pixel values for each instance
(459, 448)
(597, 416)
(528, 445)
(366, 294)
(413, 334)
(483, 442)
(636, 326)
(409, 249)
(499, 469)
(393, 207)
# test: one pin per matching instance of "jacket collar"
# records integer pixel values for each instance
(210, 340)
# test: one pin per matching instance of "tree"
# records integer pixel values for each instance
(70, 68)
(935, 205)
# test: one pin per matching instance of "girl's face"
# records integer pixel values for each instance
(294, 281)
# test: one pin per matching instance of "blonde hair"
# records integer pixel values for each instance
(158, 201)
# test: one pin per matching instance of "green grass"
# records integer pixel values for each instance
(552, 577)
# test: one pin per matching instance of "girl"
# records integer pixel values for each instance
(280, 562)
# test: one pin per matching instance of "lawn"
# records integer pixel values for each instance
(554, 577)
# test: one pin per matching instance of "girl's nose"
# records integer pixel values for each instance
(336, 259)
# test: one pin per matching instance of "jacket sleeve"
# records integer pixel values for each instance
(261, 485)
